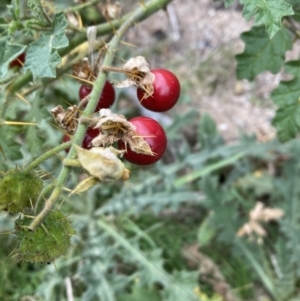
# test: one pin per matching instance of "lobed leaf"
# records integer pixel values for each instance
(42, 57)
(262, 53)
(8, 52)
(267, 12)
(286, 96)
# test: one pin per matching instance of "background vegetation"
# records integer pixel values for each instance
(174, 230)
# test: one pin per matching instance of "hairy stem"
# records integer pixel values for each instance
(139, 14)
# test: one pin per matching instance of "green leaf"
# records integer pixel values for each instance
(188, 283)
(208, 134)
(8, 52)
(287, 122)
(42, 57)
(14, 9)
(206, 232)
(37, 8)
(286, 96)
(267, 12)
(262, 53)
(286, 282)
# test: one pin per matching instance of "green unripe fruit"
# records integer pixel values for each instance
(49, 241)
(19, 190)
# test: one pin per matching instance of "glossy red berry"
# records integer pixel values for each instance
(166, 92)
(87, 140)
(19, 61)
(154, 135)
(106, 99)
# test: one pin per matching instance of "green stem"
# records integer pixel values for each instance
(47, 155)
(72, 163)
(80, 6)
(139, 14)
(42, 195)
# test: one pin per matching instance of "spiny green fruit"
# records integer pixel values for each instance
(19, 190)
(49, 241)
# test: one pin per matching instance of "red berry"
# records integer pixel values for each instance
(166, 92)
(106, 99)
(154, 135)
(87, 140)
(19, 61)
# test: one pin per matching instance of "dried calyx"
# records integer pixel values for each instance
(138, 74)
(84, 72)
(102, 164)
(110, 11)
(115, 127)
(66, 119)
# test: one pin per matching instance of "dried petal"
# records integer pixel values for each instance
(115, 127)
(84, 71)
(138, 73)
(137, 63)
(111, 11)
(85, 185)
(137, 143)
(112, 127)
(102, 163)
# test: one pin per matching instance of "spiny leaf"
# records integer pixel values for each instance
(188, 283)
(285, 283)
(287, 122)
(286, 97)
(262, 53)
(152, 263)
(8, 52)
(42, 57)
(267, 12)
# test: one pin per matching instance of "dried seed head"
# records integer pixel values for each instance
(67, 119)
(259, 214)
(102, 163)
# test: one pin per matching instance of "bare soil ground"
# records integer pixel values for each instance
(197, 40)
